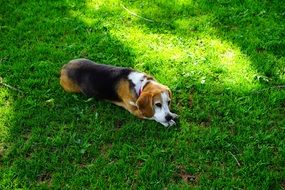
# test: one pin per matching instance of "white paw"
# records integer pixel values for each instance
(169, 124)
(174, 115)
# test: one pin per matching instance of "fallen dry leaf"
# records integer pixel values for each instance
(187, 177)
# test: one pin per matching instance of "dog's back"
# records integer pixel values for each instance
(83, 75)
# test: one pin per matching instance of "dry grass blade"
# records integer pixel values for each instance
(9, 86)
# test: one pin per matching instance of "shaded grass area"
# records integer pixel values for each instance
(223, 60)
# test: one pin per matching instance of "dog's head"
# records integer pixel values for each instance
(154, 103)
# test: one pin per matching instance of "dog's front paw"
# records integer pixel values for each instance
(169, 124)
(174, 115)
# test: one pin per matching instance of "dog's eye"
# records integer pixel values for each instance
(158, 105)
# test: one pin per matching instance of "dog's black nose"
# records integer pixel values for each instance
(168, 117)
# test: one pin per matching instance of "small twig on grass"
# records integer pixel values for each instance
(234, 158)
(9, 86)
(134, 14)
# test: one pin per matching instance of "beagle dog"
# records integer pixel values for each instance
(137, 92)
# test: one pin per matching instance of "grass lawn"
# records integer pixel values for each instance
(223, 59)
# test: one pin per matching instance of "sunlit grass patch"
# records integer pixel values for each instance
(237, 65)
(206, 57)
(91, 11)
(193, 25)
(170, 55)
(223, 61)
(6, 117)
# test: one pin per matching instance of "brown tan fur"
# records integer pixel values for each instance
(127, 96)
(144, 104)
(141, 106)
(67, 83)
(150, 94)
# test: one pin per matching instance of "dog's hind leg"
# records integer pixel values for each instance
(67, 84)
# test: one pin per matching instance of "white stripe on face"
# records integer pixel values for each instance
(161, 113)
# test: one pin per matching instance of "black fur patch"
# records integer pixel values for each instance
(97, 79)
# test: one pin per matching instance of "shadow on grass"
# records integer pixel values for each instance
(232, 118)
(60, 140)
(257, 28)
(55, 139)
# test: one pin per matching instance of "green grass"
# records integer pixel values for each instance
(223, 60)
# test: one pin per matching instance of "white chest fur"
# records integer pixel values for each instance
(138, 79)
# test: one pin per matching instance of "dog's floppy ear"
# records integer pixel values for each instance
(170, 93)
(144, 104)
(170, 96)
